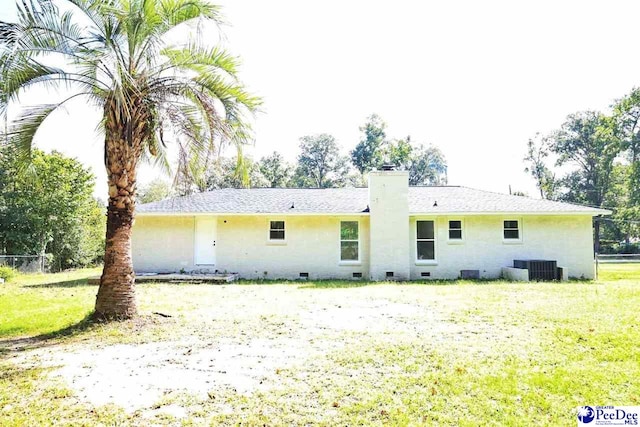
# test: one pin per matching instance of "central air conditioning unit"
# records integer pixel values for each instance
(539, 269)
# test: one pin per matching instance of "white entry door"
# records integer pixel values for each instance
(205, 240)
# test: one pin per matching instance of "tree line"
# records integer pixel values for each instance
(319, 164)
(593, 159)
(48, 209)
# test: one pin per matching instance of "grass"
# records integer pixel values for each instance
(39, 304)
(454, 354)
(29, 398)
(618, 272)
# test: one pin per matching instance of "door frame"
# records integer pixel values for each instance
(214, 220)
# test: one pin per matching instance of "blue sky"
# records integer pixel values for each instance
(476, 79)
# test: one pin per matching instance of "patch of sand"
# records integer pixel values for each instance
(254, 332)
(137, 376)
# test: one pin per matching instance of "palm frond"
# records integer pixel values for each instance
(27, 72)
(241, 171)
(115, 53)
(24, 128)
(26, 125)
(201, 60)
(45, 27)
(176, 12)
(162, 16)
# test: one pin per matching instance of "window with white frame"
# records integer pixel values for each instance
(349, 241)
(276, 230)
(511, 229)
(455, 230)
(425, 241)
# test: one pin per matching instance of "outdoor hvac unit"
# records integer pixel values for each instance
(538, 269)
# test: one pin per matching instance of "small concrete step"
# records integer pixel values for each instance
(178, 278)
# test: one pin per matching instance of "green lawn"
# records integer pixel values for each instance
(491, 353)
(619, 272)
(38, 304)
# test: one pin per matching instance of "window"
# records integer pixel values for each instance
(511, 230)
(425, 240)
(349, 250)
(276, 230)
(455, 230)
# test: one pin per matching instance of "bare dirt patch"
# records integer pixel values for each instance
(137, 376)
(238, 339)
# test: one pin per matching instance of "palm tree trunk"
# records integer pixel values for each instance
(116, 296)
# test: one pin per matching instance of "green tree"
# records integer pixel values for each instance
(235, 172)
(320, 164)
(49, 209)
(623, 224)
(398, 153)
(537, 154)
(158, 189)
(367, 155)
(81, 242)
(626, 113)
(426, 165)
(275, 170)
(587, 141)
(117, 56)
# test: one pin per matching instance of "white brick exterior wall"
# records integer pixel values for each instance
(312, 245)
(163, 244)
(566, 239)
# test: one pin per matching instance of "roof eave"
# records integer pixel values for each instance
(185, 213)
(542, 213)
(413, 213)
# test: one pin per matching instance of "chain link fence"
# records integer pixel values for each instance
(617, 258)
(25, 263)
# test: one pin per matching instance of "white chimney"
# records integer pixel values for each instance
(389, 225)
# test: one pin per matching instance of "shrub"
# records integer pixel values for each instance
(620, 248)
(7, 273)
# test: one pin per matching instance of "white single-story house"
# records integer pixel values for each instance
(386, 231)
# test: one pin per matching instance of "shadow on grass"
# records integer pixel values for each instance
(341, 284)
(307, 284)
(302, 284)
(321, 284)
(329, 284)
(13, 373)
(13, 345)
(64, 284)
(335, 284)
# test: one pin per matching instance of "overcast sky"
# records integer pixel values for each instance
(475, 78)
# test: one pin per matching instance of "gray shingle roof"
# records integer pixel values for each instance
(448, 199)
(266, 200)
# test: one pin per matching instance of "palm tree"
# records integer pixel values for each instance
(121, 56)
